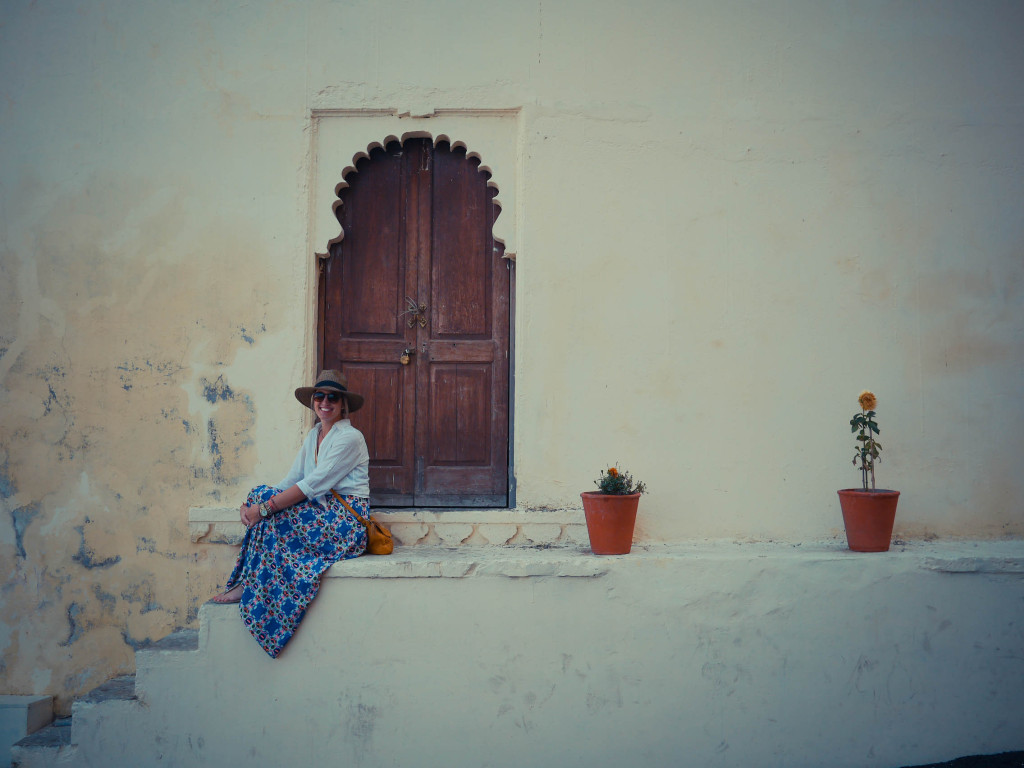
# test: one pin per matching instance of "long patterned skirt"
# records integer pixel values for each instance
(283, 557)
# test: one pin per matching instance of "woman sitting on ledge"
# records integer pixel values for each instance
(298, 529)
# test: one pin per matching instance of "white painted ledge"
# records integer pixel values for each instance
(451, 528)
(953, 557)
(522, 543)
(470, 562)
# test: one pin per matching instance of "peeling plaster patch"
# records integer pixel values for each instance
(63, 515)
(217, 390)
(174, 415)
(87, 557)
(20, 518)
(361, 722)
(133, 643)
(107, 600)
(227, 432)
(53, 399)
(74, 630)
(139, 593)
(149, 546)
(166, 372)
(7, 488)
(247, 337)
(59, 402)
(218, 459)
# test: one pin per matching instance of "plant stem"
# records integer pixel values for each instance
(864, 456)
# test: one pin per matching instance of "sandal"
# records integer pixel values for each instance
(223, 599)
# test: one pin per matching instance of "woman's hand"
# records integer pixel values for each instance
(250, 514)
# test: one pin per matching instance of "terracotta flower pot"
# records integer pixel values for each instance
(610, 521)
(869, 517)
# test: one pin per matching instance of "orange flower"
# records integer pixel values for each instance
(613, 472)
(867, 400)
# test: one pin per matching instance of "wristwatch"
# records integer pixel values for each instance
(265, 510)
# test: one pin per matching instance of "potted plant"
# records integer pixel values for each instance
(868, 513)
(611, 512)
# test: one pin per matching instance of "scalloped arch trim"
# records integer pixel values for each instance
(489, 139)
(441, 138)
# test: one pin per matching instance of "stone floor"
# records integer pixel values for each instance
(1004, 760)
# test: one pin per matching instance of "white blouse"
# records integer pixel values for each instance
(342, 464)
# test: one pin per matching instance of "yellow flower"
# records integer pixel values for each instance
(613, 472)
(867, 400)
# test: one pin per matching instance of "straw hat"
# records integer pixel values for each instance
(330, 381)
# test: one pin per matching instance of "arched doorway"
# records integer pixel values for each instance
(415, 309)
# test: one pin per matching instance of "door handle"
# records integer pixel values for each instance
(406, 354)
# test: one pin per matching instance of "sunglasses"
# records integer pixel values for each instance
(332, 397)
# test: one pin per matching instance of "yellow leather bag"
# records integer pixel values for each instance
(378, 538)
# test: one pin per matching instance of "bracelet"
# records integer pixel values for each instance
(271, 505)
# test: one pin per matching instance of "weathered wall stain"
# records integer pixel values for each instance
(967, 318)
(249, 336)
(86, 557)
(216, 390)
(130, 369)
(107, 358)
(6, 484)
(20, 518)
(74, 611)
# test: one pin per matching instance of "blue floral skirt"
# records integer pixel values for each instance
(283, 557)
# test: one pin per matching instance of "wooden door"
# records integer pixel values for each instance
(419, 274)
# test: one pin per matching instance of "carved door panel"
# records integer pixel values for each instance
(414, 308)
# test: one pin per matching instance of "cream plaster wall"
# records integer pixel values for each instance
(728, 217)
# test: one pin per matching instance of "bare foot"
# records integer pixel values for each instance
(231, 596)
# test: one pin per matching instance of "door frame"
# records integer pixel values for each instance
(340, 138)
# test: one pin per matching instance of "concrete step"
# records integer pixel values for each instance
(183, 640)
(22, 716)
(49, 746)
(57, 743)
(116, 689)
